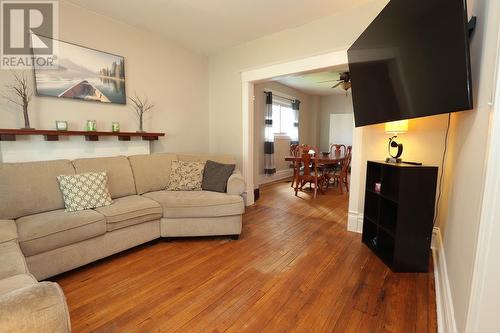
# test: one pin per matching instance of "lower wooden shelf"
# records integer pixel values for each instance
(53, 135)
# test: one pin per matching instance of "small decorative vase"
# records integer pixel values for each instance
(26, 118)
(115, 127)
(91, 125)
(140, 130)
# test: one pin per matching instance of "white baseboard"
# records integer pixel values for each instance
(444, 302)
(280, 174)
(355, 222)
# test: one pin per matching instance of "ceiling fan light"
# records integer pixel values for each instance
(346, 85)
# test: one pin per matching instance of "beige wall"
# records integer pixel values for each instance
(423, 143)
(308, 122)
(321, 36)
(174, 78)
(465, 183)
(332, 104)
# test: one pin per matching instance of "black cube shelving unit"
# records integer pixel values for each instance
(398, 220)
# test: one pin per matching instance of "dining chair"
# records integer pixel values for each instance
(342, 176)
(307, 171)
(338, 149)
(349, 150)
(295, 152)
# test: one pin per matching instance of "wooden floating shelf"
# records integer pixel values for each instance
(53, 135)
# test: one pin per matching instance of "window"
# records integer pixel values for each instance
(284, 121)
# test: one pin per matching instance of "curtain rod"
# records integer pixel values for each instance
(288, 99)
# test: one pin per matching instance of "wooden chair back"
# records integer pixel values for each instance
(306, 160)
(349, 150)
(346, 164)
(338, 149)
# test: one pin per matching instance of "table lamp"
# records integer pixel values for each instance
(395, 128)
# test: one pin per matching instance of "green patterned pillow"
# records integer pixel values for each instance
(185, 176)
(85, 191)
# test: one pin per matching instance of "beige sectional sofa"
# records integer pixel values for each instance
(38, 239)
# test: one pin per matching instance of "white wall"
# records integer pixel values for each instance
(174, 78)
(332, 104)
(341, 129)
(322, 36)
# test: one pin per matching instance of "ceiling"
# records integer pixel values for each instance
(209, 25)
(313, 83)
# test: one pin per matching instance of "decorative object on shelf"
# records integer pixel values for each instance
(378, 187)
(395, 127)
(115, 127)
(91, 126)
(88, 74)
(61, 125)
(141, 105)
(19, 93)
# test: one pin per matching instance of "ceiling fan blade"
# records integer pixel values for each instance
(338, 84)
(327, 81)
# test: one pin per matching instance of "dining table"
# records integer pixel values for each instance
(334, 158)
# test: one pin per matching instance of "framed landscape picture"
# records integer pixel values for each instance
(83, 73)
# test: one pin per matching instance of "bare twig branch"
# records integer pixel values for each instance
(19, 93)
(141, 106)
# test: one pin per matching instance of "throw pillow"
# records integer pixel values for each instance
(215, 176)
(84, 191)
(185, 176)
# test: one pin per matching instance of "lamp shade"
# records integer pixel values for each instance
(395, 127)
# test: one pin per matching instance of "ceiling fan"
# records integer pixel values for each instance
(344, 82)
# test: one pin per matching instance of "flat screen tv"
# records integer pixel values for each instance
(412, 61)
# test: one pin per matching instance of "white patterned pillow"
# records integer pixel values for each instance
(185, 176)
(85, 191)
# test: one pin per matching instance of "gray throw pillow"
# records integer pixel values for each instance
(215, 176)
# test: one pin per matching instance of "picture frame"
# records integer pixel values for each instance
(82, 73)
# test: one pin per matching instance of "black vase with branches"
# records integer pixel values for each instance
(141, 105)
(19, 93)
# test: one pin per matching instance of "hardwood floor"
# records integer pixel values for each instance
(294, 268)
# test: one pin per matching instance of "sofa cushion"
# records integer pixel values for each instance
(120, 177)
(30, 188)
(130, 210)
(151, 172)
(51, 230)
(84, 191)
(197, 203)
(185, 176)
(8, 231)
(11, 260)
(16, 282)
(216, 175)
(35, 308)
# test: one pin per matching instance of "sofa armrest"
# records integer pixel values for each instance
(38, 308)
(8, 231)
(236, 184)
